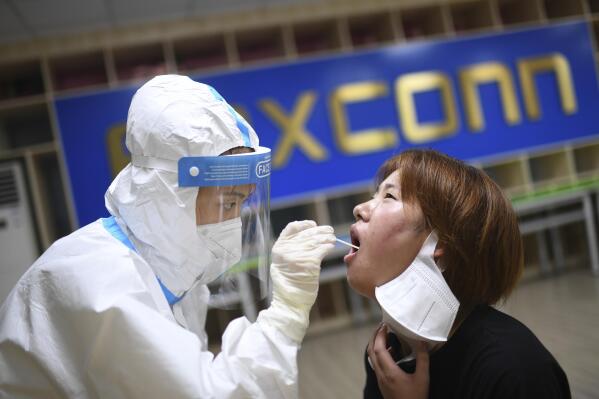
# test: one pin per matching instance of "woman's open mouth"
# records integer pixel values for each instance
(355, 240)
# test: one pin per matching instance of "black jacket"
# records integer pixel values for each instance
(491, 355)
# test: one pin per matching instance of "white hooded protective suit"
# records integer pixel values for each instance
(89, 318)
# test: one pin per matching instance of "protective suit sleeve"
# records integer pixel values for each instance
(254, 362)
(138, 353)
(104, 337)
(295, 270)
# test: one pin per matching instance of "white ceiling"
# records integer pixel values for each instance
(31, 19)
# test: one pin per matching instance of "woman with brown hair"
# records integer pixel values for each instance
(439, 245)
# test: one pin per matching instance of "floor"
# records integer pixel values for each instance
(563, 311)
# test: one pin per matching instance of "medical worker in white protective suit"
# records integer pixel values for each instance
(117, 308)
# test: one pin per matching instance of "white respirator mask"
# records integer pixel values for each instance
(224, 242)
(418, 305)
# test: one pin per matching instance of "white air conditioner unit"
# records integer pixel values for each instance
(18, 245)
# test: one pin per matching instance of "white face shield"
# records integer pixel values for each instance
(233, 221)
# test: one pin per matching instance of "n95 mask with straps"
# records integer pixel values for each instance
(418, 304)
(224, 242)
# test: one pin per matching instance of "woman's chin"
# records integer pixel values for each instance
(360, 286)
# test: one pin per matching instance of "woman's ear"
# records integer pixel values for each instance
(437, 257)
(438, 253)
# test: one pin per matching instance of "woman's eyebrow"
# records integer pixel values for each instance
(387, 186)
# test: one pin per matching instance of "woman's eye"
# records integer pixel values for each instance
(389, 195)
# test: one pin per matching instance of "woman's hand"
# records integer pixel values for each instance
(394, 383)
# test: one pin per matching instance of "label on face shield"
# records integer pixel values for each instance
(228, 170)
(263, 168)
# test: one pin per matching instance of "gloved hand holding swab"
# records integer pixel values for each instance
(347, 243)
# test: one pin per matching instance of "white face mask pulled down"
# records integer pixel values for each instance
(223, 241)
(418, 305)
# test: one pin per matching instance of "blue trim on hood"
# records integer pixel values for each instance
(115, 230)
(241, 125)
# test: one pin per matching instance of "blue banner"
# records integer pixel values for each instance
(332, 121)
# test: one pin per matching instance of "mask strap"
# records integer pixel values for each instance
(428, 248)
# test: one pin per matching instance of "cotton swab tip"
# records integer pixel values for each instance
(349, 244)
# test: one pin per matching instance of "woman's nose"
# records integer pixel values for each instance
(361, 211)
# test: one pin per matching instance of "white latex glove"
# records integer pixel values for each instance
(295, 270)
